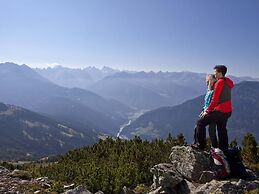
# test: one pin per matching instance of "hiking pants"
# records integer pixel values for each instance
(221, 121)
(212, 134)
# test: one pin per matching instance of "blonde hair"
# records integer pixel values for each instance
(210, 81)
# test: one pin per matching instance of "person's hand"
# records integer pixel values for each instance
(200, 115)
(204, 114)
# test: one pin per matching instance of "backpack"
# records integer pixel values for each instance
(237, 168)
(221, 166)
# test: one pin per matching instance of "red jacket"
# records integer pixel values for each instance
(221, 98)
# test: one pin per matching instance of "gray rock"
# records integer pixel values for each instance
(190, 186)
(165, 175)
(43, 179)
(227, 187)
(167, 180)
(3, 170)
(78, 190)
(189, 162)
(69, 186)
(206, 176)
(251, 175)
(160, 190)
(127, 190)
(99, 192)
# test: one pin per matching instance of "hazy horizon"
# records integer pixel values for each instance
(121, 70)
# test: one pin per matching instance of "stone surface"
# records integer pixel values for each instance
(206, 176)
(3, 170)
(127, 190)
(189, 162)
(78, 190)
(227, 187)
(99, 192)
(165, 175)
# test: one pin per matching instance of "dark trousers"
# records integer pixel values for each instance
(221, 121)
(212, 134)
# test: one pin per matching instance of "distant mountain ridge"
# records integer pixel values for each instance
(21, 85)
(182, 118)
(25, 134)
(137, 89)
(68, 77)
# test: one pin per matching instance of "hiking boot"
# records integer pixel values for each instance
(197, 146)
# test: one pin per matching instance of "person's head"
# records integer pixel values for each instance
(210, 81)
(220, 71)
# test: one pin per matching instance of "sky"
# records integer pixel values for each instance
(166, 35)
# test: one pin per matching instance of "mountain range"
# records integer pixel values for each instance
(138, 90)
(70, 78)
(22, 86)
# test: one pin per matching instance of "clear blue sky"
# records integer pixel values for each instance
(171, 35)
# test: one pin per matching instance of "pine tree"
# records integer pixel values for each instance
(180, 140)
(233, 143)
(208, 144)
(249, 149)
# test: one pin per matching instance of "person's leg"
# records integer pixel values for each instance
(195, 135)
(222, 131)
(212, 134)
(201, 127)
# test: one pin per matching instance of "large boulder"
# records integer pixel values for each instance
(190, 163)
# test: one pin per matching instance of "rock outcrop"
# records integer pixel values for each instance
(190, 172)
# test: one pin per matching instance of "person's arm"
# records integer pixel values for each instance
(215, 97)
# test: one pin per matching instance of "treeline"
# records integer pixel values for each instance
(111, 164)
(250, 152)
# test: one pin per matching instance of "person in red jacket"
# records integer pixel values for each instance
(218, 111)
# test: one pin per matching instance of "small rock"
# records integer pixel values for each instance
(45, 185)
(251, 175)
(3, 170)
(206, 176)
(127, 191)
(43, 179)
(69, 186)
(78, 190)
(99, 192)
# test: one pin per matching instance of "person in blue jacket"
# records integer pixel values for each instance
(210, 81)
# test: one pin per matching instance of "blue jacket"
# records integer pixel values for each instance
(207, 99)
